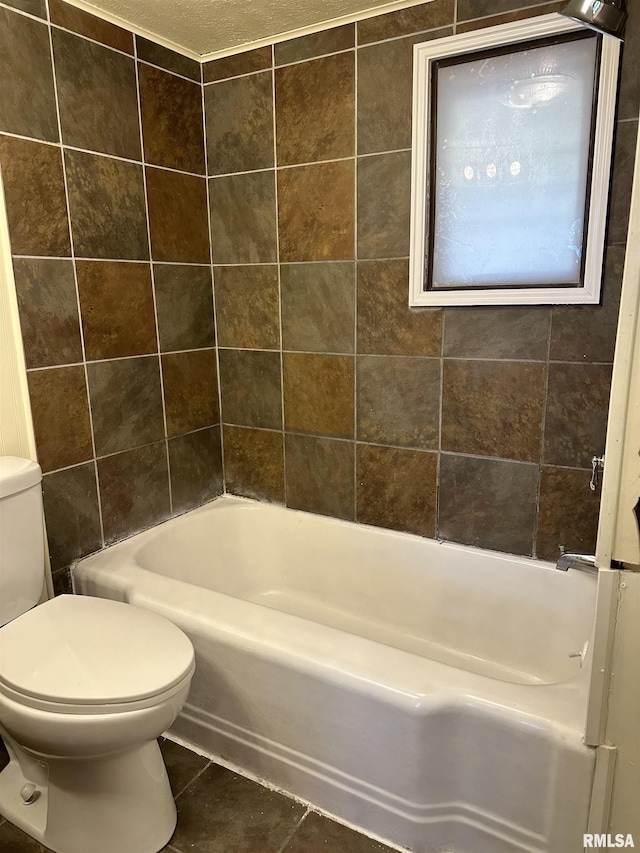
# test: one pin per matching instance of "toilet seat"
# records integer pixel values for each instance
(85, 655)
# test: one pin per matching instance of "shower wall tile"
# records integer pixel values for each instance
(622, 181)
(60, 411)
(427, 16)
(567, 513)
(318, 307)
(107, 206)
(243, 219)
(178, 217)
(240, 124)
(171, 110)
(505, 333)
(116, 303)
(509, 17)
(396, 488)
(315, 102)
(251, 388)
(190, 381)
(248, 306)
(27, 98)
(97, 96)
(493, 408)
(315, 44)
(629, 93)
(32, 7)
(48, 308)
(316, 212)
(489, 503)
(398, 401)
(195, 462)
(78, 21)
(126, 403)
(318, 394)
(384, 205)
(157, 54)
(134, 490)
(72, 514)
(320, 475)
(576, 417)
(386, 324)
(254, 463)
(237, 64)
(35, 197)
(184, 305)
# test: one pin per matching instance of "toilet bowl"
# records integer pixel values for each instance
(86, 687)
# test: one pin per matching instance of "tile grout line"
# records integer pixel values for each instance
(289, 838)
(543, 427)
(355, 283)
(75, 277)
(153, 281)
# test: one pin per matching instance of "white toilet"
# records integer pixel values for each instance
(86, 687)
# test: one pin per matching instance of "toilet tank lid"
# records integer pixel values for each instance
(17, 474)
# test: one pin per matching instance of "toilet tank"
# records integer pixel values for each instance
(21, 537)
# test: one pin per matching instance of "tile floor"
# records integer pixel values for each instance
(221, 812)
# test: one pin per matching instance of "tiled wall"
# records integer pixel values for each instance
(474, 425)
(102, 152)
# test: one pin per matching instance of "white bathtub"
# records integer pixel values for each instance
(422, 691)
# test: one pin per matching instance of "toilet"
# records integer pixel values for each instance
(86, 687)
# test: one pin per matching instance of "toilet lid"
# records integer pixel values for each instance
(81, 650)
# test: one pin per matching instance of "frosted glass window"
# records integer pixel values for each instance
(510, 162)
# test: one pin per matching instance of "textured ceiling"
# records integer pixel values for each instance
(203, 27)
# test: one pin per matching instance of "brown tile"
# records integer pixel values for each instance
(126, 403)
(576, 419)
(509, 17)
(182, 764)
(567, 513)
(254, 463)
(239, 63)
(116, 303)
(622, 181)
(629, 92)
(386, 324)
(243, 219)
(35, 197)
(60, 411)
(157, 54)
(588, 332)
(318, 834)
(314, 110)
(61, 582)
(27, 98)
(316, 212)
(240, 124)
(97, 96)
(384, 205)
(489, 503)
(320, 475)
(106, 198)
(415, 19)
(315, 44)
(248, 307)
(398, 401)
(318, 394)
(385, 93)
(481, 8)
(184, 305)
(190, 382)
(171, 110)
(72, 514)
(247, 817)
(48, 308)
(396, 488)
(251, 388)
(195, 462)
(318, 307)
(134, 490)
(178, 217)
(493, 408)
(511, 333)
(79, 21)
(32, 7)
(14, 840)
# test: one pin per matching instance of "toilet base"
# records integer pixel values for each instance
(120, 803)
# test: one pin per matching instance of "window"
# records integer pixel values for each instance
(512, 139)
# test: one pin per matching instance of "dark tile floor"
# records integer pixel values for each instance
(222, 812)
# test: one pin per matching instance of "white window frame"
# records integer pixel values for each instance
(484, 39)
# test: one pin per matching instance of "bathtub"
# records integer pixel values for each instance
(430, 694)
